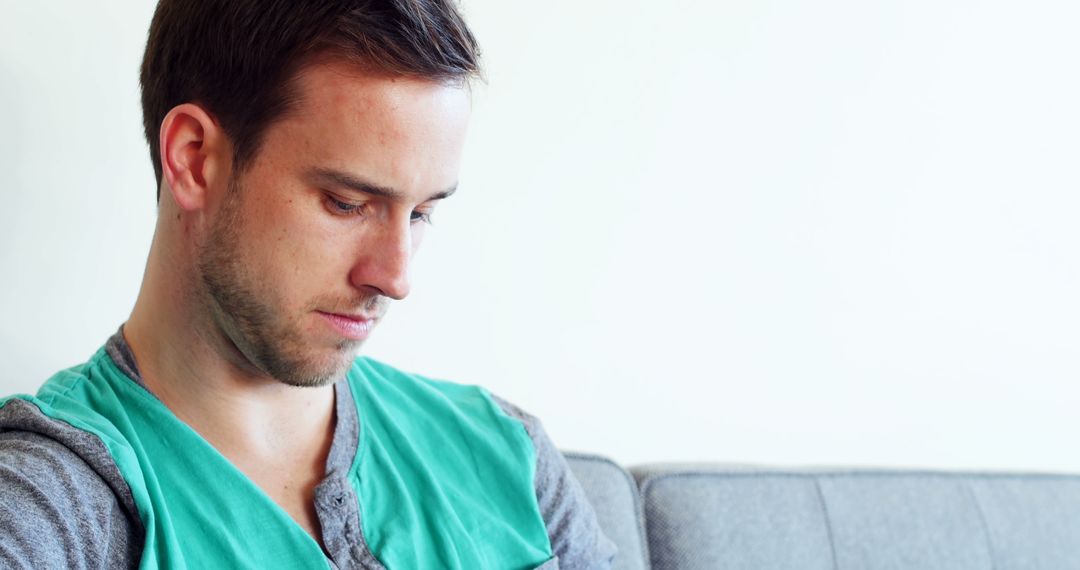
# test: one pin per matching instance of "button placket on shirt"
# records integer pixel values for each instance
(337, 504)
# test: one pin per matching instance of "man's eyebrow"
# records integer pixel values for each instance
(344, 180)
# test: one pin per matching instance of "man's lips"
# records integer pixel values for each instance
(355, 327)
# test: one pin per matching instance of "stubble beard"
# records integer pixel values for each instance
(244, 312)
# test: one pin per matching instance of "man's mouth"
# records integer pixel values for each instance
(351, 326)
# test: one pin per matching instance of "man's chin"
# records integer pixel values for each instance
(316, 372)
(311, 380)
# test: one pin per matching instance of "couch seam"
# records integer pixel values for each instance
(982, 522)
(644, 487)
(828, 523)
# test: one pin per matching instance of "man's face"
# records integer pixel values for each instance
(310, 243)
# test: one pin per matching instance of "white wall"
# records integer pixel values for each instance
(761, 231)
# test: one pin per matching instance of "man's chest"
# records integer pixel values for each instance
(294, 492)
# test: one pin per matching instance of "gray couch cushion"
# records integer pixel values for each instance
(883, 520)
(614, 496)
(737, 517)
(720, 520)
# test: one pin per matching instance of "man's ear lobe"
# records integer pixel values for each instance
(194, 154)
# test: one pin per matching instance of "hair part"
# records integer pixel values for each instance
(238, 59)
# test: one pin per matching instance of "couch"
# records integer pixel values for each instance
(719, 517)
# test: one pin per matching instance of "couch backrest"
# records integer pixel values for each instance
(720, 518)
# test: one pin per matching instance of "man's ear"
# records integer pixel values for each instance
(195, 155)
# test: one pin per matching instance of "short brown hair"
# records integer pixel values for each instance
(236, 58)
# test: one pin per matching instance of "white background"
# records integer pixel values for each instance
(832, 232)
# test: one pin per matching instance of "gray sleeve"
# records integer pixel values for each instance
(575, 535)
(56, 511)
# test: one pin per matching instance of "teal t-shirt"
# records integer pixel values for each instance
(442, 477)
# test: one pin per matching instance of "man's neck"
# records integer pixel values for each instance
(191, 367)
(278, 435)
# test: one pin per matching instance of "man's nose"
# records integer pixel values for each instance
(383, 263)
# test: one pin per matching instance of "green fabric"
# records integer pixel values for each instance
(444, 477)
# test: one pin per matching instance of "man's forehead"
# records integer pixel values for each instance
(353, 106)
(343, 84)
(384, 135)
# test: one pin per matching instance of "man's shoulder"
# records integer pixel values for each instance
(80, 407)
(381, 376)
(415, 401)
(62, 500)
(45, 463)
(49, 449)
(573, 531)
(68, 387)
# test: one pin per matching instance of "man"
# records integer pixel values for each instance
(300, 148)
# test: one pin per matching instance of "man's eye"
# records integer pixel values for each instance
(422, 217)
(344, 208)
